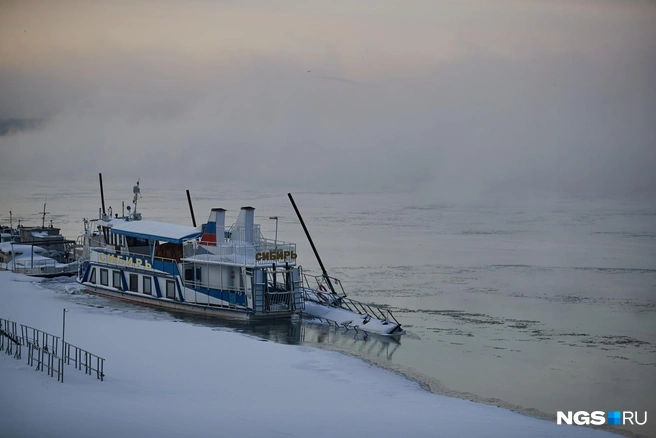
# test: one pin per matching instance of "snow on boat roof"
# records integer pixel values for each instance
(153, 230)
(18, 248)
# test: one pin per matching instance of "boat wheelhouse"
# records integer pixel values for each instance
(232, 272)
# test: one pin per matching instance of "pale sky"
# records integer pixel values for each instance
(370, 95)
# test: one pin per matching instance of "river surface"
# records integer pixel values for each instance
(532, 303)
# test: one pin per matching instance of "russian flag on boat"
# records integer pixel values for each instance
(215, 222)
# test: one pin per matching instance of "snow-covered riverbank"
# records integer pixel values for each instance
(171, 378)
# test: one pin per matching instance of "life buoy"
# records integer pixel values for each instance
(322, 287)
(322, 296)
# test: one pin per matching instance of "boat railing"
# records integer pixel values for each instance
(194, 247)
(81, 250)
(264, 252)
(275, 301)
(366, 309)
(43, 267)
(207, 283)
(279, 301)
(323, 296)
(320, 282)
(263, 244)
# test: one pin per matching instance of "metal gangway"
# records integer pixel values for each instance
(320, 285)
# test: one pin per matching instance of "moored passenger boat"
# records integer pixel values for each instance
(231, 272)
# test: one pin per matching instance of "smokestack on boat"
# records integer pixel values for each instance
(220, 222)
(215, 224)
(249, 217)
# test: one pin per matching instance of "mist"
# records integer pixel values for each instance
(444, 97)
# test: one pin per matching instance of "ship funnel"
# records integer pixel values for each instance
(215, 223)
(249, 216)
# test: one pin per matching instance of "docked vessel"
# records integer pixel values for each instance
(36, 251)
(231, 272)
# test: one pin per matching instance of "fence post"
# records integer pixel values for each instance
(63, 343)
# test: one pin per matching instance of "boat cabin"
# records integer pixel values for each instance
(234, 268)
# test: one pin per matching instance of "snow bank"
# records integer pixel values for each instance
(170, 379)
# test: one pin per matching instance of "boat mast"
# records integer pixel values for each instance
(316, 253)
(43, 219)
(191, 209)
(102, 194)
(137, 192)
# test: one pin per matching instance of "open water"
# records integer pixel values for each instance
(535, 304)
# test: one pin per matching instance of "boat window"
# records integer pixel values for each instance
(136, 241)
(189, 274)
(170, 289)
(134, 283)
(92, 279)
(104, 277)
(147, 286)
(116, 279)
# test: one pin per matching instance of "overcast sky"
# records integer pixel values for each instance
(335, 95)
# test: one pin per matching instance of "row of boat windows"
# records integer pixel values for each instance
(133, 282)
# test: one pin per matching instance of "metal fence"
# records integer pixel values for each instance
(44, 352)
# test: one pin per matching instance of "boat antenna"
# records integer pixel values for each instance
(102, 194)
(43, 219)
(191, 209)
(316, 253)
(11, 220)
(137, 194)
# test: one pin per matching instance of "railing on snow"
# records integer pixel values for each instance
(43, 348)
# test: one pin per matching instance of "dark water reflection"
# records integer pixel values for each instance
(298, 332)
(294, 331)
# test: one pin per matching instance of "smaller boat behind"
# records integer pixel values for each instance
(37, 251)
